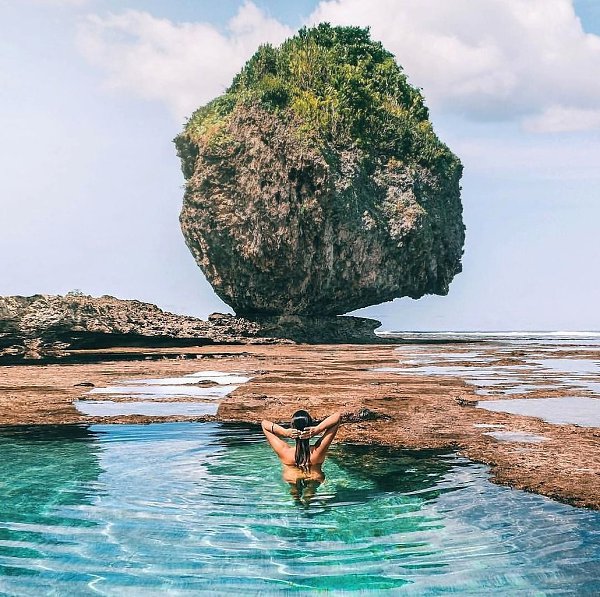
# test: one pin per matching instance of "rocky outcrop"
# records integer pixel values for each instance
(318, 211)
(49, 327)
(320, 330)
(42, 326)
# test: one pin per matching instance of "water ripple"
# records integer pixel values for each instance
(189, 508)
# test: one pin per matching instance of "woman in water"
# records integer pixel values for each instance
(302, 462)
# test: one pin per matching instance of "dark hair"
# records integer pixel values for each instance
(300, 420)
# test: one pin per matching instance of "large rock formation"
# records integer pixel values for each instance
(316, 185)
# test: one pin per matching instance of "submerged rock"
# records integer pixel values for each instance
(316, 185)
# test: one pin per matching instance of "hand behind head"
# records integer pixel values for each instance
(307, 433)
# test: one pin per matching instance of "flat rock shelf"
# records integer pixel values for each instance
(385, 397)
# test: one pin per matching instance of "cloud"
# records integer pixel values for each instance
(181, 64)
(524, 60)
(490, 59)
(558, 119)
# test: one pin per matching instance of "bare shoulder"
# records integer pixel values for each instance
(287, 455)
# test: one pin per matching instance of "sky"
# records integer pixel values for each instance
(92, 93)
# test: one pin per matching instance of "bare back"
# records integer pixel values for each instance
(318, 451)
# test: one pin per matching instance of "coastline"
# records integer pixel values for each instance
(412, 411)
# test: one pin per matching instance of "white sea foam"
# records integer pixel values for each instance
(493, 334)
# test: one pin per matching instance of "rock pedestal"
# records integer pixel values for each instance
(320, 330)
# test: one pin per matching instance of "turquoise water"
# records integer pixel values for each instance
(190, 508)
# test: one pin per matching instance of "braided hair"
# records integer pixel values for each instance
(300, 420)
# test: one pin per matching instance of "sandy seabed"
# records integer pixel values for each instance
(413, 411)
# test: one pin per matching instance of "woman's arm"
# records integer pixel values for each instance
(329, 427)
(278, 430)
(274, 433)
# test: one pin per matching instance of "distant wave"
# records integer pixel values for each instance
(558, 334)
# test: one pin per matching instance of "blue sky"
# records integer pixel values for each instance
(93, 91)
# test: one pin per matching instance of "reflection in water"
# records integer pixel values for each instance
(186, 508)
(567, 410)
(303, 491)
(151, 408)
(158, 397)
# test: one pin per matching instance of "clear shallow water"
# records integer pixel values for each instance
(572, 410)
(158, 397)
(191, 508)
(513, 364)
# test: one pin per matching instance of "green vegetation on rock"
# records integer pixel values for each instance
(339, 89)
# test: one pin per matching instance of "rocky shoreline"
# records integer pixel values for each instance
(48, 328)
(414, 412)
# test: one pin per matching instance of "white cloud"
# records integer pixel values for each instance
(557, 119)
(526, 60)
(490, 59)
(181, 64)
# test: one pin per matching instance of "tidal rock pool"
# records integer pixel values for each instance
(568, 410)
(195, 394)
(188, 508)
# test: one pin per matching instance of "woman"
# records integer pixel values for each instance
(302, 462)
